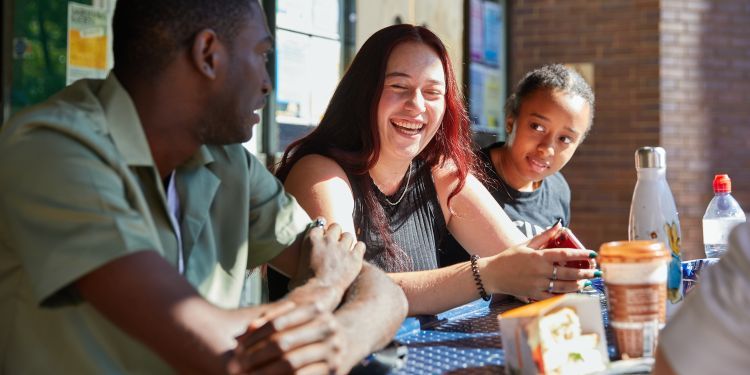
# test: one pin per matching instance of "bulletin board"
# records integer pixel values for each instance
(486, 67)
(51, 44)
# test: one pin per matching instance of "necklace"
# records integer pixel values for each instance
(498, 169)
(502, 184)
(535, 185)
(499, 172)
(406, 187)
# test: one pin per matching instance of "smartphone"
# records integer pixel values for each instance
(566, 239)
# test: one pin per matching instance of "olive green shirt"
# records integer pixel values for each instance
(78, 188)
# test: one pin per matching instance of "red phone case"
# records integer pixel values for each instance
(566, 239)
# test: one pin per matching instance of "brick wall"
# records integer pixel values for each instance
(705, 103)
(621, 39)
(674, 73)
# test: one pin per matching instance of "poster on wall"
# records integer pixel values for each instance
(476, 95)
(476, 31)
(87, 42)
(486, 98)
(487, 69)
(493, 100)
(492, 23)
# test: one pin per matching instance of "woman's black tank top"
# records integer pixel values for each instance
(416, 220)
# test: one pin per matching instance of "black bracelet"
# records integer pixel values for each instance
(477, 279)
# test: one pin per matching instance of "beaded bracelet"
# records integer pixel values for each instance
(477, 279)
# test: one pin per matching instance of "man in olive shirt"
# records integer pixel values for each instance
(129, 215)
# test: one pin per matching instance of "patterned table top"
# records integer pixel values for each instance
(465, 340)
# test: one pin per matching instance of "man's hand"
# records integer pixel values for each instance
(329, 257)
(303, 339)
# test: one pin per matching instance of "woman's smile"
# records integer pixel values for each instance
(409, 128)
(538, 165)
(412, 103)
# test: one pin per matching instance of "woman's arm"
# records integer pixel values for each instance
(520, 270)
(474, 218)
(322, 188)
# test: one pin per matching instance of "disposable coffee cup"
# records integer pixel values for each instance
(635, 279)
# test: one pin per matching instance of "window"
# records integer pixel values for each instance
(307, 68)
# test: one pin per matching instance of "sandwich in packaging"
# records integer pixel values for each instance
(560, 335)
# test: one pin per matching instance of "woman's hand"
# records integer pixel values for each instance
(332, 257)
(329, 262)
(523, 270)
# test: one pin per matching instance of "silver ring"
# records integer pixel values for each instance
(554, 272)
(320, 222)
(551, 284)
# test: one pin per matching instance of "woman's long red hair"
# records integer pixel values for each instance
(348, 132)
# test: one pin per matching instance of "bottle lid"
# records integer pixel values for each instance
(636, 251)
(650, 157)
(722, 184)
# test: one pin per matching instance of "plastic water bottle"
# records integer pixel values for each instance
(723, 214)
(653, 215)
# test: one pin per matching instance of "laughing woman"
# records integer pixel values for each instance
(391, 161)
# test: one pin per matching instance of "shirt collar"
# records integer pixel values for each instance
(126, 129)
(202, 157)
(123, 123)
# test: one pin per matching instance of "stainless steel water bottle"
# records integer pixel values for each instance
(653, 215)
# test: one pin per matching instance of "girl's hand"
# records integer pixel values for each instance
(522, 270)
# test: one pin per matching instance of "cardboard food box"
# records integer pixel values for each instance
(562, 335)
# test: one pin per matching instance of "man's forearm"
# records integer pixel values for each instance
(326, 297)
(373, 309)
(170, 317)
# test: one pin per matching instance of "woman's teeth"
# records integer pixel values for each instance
(408, 127)
(539, 164)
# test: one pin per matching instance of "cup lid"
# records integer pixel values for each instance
(633, 251)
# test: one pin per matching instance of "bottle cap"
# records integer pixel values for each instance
(722, 184)
(650, 157)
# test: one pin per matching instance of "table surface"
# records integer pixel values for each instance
(465, 340)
